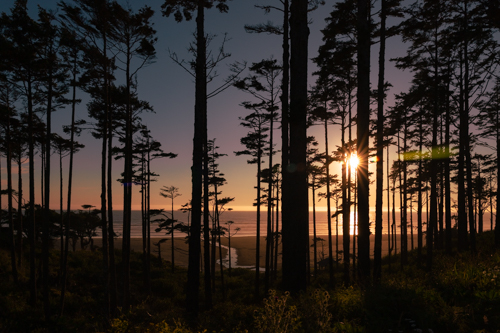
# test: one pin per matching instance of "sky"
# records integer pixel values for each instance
(170, 90)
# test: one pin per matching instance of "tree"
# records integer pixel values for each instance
(325, 117)
(229, 235)
(336, 83)
(171, 193)
(490, 120)
(255, 143)
(183, 9)
(148, 150)
(363, 114)
(92, 21)
(263, 85)
(23, 34)
(71, 54)
(388, 8)
(216, 180)
(7, 122)
(296, 229)
(134, 38)
(53, 87)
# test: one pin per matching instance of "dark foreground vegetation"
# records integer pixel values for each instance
(461, 294)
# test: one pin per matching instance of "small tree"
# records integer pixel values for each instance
(229, 235)
(171, 192)
(255, 144)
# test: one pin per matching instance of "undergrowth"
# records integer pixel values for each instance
(460, 294)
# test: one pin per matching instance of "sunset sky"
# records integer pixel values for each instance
(170, 90)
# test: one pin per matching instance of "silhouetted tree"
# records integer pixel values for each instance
(296, 229)
(262, 83)
(183, 9)
(255, 143)
(22, 34)
(171, 192)
(363, 115)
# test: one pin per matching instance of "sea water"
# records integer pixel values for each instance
(246, 221)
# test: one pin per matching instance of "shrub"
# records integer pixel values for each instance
(277, 316)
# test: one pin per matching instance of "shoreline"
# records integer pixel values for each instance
(244, 245)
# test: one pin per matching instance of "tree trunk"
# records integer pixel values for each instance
(20, 227)
(363, 133)
(285, 183)
(315, 247)
(468, 161)
(257, 239)
(377, 264)
(148, 222)
(64, 254)
(206, 216)
(419, 200)
(10, 191)
(497, 217)
(269, 239)
(346, 204)
(296, 229)
(46, 222)
(193, 281)
(328, 203)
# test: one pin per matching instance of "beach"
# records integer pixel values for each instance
(245, 248)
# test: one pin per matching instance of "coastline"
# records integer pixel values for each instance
(244, 245)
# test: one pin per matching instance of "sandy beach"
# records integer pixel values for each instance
(245, 248)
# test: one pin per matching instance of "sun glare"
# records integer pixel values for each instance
(354, 161)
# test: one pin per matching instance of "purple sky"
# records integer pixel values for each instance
(170, 90)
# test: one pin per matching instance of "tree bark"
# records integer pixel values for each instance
(377, 264)
(296, 229)
(363, 133)
(193, 282)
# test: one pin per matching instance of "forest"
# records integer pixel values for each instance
(429, 162)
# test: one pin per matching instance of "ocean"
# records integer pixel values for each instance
(246, 221)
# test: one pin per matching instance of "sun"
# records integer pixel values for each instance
(353, 161)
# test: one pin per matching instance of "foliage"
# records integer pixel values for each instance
(462, 295)
(315, 312)
(277, 315)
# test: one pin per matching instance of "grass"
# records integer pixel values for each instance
(460, 294)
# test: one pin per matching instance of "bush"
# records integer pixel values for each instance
(277, 315)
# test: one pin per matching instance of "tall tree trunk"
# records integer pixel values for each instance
(315, 247)
(110, 242)
(296, 230)
(32, 228)
(468, 161)
(206, 216)
(46, 222)
(67, 218)
(276, 233)
(61, 211)
(148, 222)
(328, 202)
(269, 239)
(389, 243)
(377, 264)
(497, 217)
(441, 191)
(461, 198)
(127, 186)
(20, 228)
(346, 204)
(10, 191)
(193, 282)
(285, 183)
(363, 133)
(257, 239)
(419, 200)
